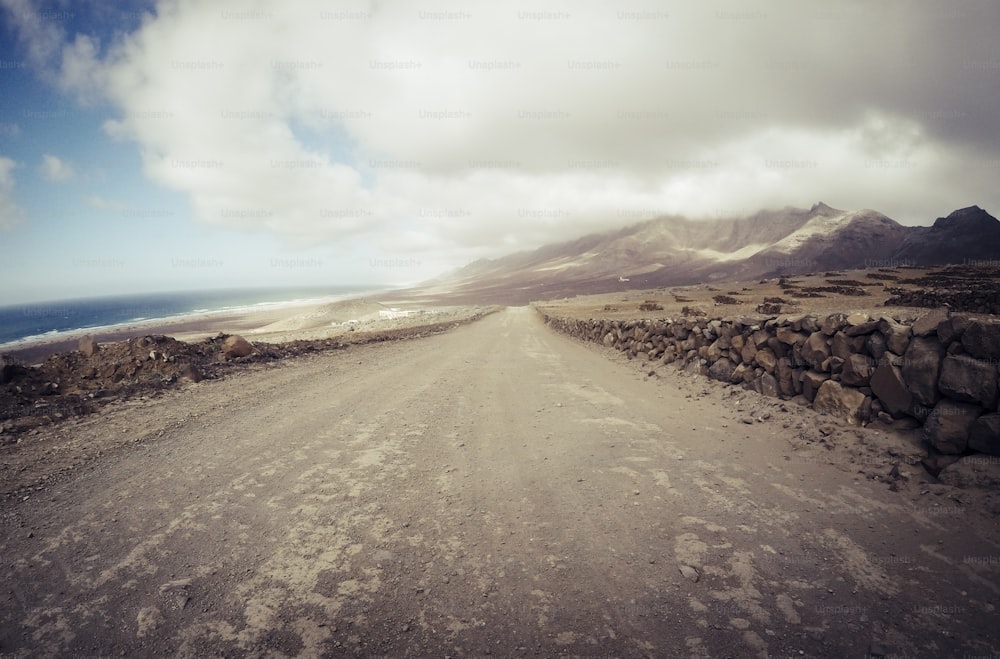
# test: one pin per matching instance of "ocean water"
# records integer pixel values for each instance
(28, 321)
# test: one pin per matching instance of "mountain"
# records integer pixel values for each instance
(670, 251)
(967, 235)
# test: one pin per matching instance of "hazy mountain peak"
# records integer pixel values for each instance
(819, 208)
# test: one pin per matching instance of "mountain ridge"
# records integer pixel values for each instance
(674, 250)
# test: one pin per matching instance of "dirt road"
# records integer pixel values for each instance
(498, 489)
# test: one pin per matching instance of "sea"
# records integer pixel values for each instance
(26, 322)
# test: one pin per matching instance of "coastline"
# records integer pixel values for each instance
(188, 327)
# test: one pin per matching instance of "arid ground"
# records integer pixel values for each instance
(495, 489)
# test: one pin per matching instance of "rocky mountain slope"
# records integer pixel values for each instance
(671, 251)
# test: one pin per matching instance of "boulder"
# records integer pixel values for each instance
(861, 329)
(766, 359)
(887, 383)
(973, 471)
(928, 323)
(748, 352)
(88, 346)
(949, 425)
(236, 346)
(922, 367)
(811, 382)
(841, 402)
(766, 385)
(857, 370)
(876, 345)
(985, 434)
(789, 336)
(952, 328)
(722, 370)
(844, 346)
(815, 350)
(981, 339)
(897, 335)
(786, 377)
(834, 323)
(968, 379)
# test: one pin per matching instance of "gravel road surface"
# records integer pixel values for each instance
(498, 489)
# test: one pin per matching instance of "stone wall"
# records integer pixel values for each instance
(941, 369)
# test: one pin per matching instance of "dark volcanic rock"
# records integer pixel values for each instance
(888, 384)
(981, 339)
(969, 379)
(921, 369)
(985, 435)
(948, 427)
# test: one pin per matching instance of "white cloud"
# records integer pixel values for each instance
(100, 203)
(10, 213)
(55, 169)
(475, 128)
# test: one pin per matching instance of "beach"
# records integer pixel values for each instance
(273, 323)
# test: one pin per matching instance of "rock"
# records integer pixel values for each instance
(948, 426)
(88, 346)
(968, 379)
(887, 383)
(876, 345)
(811, 382)
(952, 329)
(981, 339)
(973, 471)
(696, 366)
(789, 336)
(857, 371)
(897, 336)
(840, 402)
(722, 370)
(834, 323)
(856, 319)
(766, 359)
(922, 368)
(236, 346)
(693, 311)
(766, 385)
(609, 339)
(786, 377)
(985, 434)
(860, 329)
(844, 346)
(689, 573)
(815, 350)
(192, 373)
(928, 323)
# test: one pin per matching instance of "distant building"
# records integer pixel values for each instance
(389, 314)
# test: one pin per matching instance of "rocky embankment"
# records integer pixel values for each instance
(940, 371)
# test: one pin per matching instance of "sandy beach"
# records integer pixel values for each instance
(273, 323)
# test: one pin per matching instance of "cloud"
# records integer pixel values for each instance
(473, 128)
(10, 213)
(55, 169)
(100, 203)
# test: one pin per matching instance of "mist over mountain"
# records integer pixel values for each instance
(671, 251)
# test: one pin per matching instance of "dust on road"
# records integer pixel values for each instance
(499, 489)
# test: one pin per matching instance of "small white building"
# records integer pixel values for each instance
(389, 314)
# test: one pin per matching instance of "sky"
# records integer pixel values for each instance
(175, 144)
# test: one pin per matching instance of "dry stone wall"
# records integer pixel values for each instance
(941, 369)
